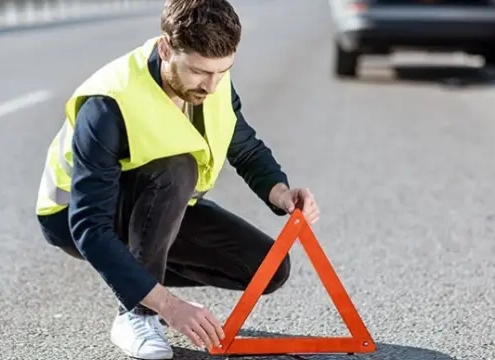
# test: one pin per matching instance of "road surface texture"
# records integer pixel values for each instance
(401, 166)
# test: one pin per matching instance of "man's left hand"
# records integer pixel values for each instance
(299, 198)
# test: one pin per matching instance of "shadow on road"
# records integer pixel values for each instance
(384, 351)
(450, 76)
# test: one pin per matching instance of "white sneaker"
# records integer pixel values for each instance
(140, 337)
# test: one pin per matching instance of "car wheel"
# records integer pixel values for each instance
(346, 62)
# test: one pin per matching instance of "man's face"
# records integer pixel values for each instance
(192, 77)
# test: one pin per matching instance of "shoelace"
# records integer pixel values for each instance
(155, 322)
(142, 326)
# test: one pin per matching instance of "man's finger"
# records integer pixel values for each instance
(312, 214)
(289, 205)
(210, 332)
(307, 194)
(218, 328)
(193, 337)
(199, 329)
(315, 220)
(308, 205)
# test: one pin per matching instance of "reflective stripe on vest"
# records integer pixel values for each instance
(64, 164)
(57, 195)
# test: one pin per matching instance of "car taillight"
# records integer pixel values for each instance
(357, 5)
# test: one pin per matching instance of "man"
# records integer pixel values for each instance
(145, 138)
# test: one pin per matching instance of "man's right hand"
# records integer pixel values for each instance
(194, 321)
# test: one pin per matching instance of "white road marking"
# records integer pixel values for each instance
(24, 101)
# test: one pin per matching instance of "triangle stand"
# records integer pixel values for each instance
(360, 340)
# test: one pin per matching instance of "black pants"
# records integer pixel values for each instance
(200, 245)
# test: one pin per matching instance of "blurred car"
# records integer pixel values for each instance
(381, 26)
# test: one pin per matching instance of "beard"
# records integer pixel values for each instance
(193, 96)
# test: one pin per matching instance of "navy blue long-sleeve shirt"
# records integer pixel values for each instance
(99, 142)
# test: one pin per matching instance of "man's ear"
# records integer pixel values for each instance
(164, 49)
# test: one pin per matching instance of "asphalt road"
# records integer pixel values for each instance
(400, 165)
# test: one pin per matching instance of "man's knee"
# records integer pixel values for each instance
(65, 245)
(178, 174)
(72, 251)
(280, 277)
(55, 230)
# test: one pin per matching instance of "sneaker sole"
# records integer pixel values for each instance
(128, 353)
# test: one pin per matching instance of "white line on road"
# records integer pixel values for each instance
(24, 101)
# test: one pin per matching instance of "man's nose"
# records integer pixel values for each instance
(210, 84)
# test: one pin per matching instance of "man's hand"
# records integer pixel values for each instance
(191, 319)
(291, 199)
(194, 321)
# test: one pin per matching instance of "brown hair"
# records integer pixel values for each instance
(209, 27)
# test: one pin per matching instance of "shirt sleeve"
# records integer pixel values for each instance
(98, 138)
(252, 159)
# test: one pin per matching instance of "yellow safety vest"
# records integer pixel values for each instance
(156, 128)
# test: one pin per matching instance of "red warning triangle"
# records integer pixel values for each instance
(360, 340)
